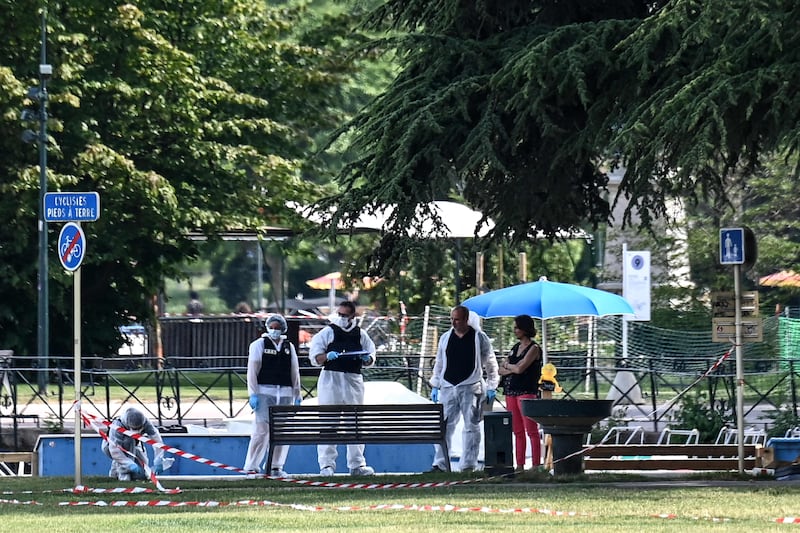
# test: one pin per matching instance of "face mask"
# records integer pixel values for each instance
(342, 322)
(274, 334)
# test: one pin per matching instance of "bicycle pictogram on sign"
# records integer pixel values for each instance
(71, 246)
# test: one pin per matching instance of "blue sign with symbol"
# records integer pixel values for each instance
(71, 206)
(71, 246)
(731, 246)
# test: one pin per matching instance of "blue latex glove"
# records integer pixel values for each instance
(365, 358)
(332, 356)
(136, 470)
(435, 395)
(158, 467)
(254, 402)
(298, 401)
(491, 394)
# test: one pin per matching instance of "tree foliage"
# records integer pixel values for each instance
(714, 92)
(517, 106)
(502, 103)
(185, 117)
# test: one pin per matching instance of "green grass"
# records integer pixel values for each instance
(607, 503)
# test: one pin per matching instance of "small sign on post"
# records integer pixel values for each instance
(724, 314)
(71, 206)
(731, 246)
(71, 246)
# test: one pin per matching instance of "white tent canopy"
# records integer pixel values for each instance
(459, 221)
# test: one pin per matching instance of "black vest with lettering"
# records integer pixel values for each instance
(276, 365)
(345, 341)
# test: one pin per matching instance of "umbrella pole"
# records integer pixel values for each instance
(544, 342)
(332, 297)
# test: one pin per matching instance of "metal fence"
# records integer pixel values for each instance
(204, 365)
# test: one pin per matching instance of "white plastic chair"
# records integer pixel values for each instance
(692, 435)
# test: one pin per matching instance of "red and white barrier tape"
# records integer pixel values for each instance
(93, 421)
(168, 449)
(379, 507)
(670, 516)
(82, 489)
(18, 502)
(171, 503)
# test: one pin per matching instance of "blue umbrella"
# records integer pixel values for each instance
(545, 299)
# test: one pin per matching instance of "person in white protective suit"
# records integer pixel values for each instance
(127, 454)
(463, 355)
(273, 378)
(342, 349)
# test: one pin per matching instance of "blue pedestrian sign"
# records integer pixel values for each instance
(71, 246)
(71, 206)
(731, 246)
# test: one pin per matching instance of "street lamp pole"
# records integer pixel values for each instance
(43, 344)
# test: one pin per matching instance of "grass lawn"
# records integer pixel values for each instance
(530, 502)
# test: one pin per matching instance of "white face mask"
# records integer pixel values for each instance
(274, 334)
(343, 322)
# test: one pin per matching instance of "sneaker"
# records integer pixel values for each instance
(435, 469)
(362, 471)
(124, 477)
(278, 472)
(468, 469)
(327, 471)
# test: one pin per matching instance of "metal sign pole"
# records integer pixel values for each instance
(739, 366)
(76, 328)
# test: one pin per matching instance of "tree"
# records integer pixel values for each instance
(505, 103)
(713, 92)
(192, 117)
(517, 105)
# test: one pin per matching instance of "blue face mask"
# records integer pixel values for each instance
(274, 334)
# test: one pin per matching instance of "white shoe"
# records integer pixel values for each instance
(278, 472)
(124, 477)
(362, 471)
(327, 471)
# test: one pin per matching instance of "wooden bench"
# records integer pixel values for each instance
(356, 424)
(706, 457)
(13, 463)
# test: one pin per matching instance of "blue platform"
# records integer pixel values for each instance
(786, 449)
(57, 456)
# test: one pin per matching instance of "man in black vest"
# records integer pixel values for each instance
(342, 349)
(273, 378)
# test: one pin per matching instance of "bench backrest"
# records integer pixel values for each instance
(328, 424)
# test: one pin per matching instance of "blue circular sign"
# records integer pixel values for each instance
(71, 246)
(637, 262)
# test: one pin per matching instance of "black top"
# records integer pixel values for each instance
(460, 353)
(528, 381)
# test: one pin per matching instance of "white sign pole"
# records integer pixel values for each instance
(76, 328)
(624, 295)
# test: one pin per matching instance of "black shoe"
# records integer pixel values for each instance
(434, 470)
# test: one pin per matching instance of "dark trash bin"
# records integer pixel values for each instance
(498, 452)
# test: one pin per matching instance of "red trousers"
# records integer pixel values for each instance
(522, 425)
